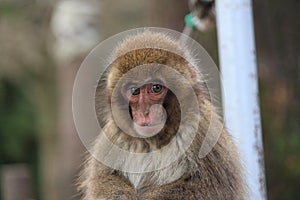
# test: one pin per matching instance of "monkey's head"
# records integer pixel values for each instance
(146, 85)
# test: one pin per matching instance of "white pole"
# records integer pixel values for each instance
(240, 88)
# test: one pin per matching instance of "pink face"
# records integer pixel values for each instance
(146, 103)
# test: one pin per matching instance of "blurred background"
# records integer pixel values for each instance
(42, 44)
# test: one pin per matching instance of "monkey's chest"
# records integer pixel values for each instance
(158, 177)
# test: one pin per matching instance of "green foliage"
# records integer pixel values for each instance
(17, 123)
(281, 140)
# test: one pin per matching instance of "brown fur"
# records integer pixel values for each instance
(216, 176)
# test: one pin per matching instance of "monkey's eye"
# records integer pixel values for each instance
(134, 91)
(156, 88)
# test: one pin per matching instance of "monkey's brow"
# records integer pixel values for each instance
(156, 81)
(132, 83)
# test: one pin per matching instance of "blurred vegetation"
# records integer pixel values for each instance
(28, 89)
(278, 49)
(17, 123)
(26, 83)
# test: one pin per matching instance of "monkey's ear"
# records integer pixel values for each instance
(198, 81)
(113, 76)
(191, 73)
(194, 73)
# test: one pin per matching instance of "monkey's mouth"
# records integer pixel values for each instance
(148, 130)
(150, 124)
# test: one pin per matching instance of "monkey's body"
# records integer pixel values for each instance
(216, 176)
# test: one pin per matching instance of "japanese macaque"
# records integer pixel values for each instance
(205, 11)
(155, 111)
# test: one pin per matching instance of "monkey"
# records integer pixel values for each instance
(205, 12)
(155, 110)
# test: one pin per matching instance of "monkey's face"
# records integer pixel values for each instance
(144, 91)
(138, 101)
(146, 106)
